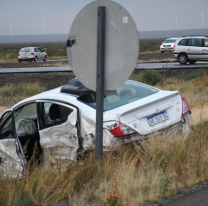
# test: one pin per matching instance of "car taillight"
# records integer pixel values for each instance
(120, 130)
(18, 54)
(32, 53)
(185, 106)
(173, 47)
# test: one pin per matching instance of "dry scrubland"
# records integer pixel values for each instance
(135, 174)
(57, 50)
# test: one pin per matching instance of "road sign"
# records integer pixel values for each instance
(121, 45)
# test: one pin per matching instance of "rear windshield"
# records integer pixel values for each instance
(129, 92)
(170, 41)
(27, 49)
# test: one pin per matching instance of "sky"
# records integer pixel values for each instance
(27, 16)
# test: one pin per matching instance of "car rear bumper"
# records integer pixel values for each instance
(26, 58)
(180, 128)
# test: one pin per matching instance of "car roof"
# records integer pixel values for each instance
(194, 37)
(171, 38)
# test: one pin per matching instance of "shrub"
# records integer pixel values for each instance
(151, 77)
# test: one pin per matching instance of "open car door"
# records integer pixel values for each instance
(12, 159)
(58, 129)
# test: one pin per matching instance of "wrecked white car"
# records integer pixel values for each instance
(61, 122)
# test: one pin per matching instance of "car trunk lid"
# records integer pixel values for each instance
(152, 113)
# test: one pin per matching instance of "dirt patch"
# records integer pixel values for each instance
(48, 80)
(155, 56)
(149, 57)
(58, 63)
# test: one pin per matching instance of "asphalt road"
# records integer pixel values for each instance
(174, 65)
(141, 66)
(34, 70)
(198, 198)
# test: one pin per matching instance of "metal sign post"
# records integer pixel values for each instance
(107, 63)
(100, 82)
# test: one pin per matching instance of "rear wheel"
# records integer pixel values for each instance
(45, 59)
(182, 58)
(36, 59)
(162, 51)
(20, 60)
(192, 61)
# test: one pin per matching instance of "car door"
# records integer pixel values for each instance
(59, 131)
(205, 49)
(41, 54)
(12, 159)
(195, 49)
(36, 52)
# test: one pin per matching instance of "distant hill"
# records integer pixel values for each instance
(63, 37)
(171, 33)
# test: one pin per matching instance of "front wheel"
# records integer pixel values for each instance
(182, 58)
(20, 60)
(162, 52)
(45, 59)
(192, 61)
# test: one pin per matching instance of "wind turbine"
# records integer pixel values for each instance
(176, 22)
(202, 15)
(10, 22)
(43, 28)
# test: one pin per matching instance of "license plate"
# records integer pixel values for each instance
(157, 118)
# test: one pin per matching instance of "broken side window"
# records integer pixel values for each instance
(55, 114)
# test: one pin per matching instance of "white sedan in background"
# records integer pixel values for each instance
(32, 54)
(168, 45)
(61, 122)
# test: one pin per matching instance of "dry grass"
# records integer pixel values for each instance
(156, 60)
(139, 173)
(132, 175)
(195, 91)
(2, 109)
(199, 114)
(11, 94)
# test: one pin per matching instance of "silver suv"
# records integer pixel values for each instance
(191, 49)
(31, 54)
(168, 45)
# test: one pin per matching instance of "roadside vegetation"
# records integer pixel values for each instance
(133, 175)
(57, 50)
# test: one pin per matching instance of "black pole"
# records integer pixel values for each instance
(100, 82)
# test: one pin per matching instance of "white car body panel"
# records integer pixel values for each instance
(11, 165)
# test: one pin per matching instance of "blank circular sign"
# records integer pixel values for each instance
(121, 45)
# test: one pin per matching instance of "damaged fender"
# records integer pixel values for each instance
(61, 142)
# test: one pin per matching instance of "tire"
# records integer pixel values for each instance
(182, 58)
(35, 59)
(192, 61)
(45, 59)
(20, 60)
(162, 52)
